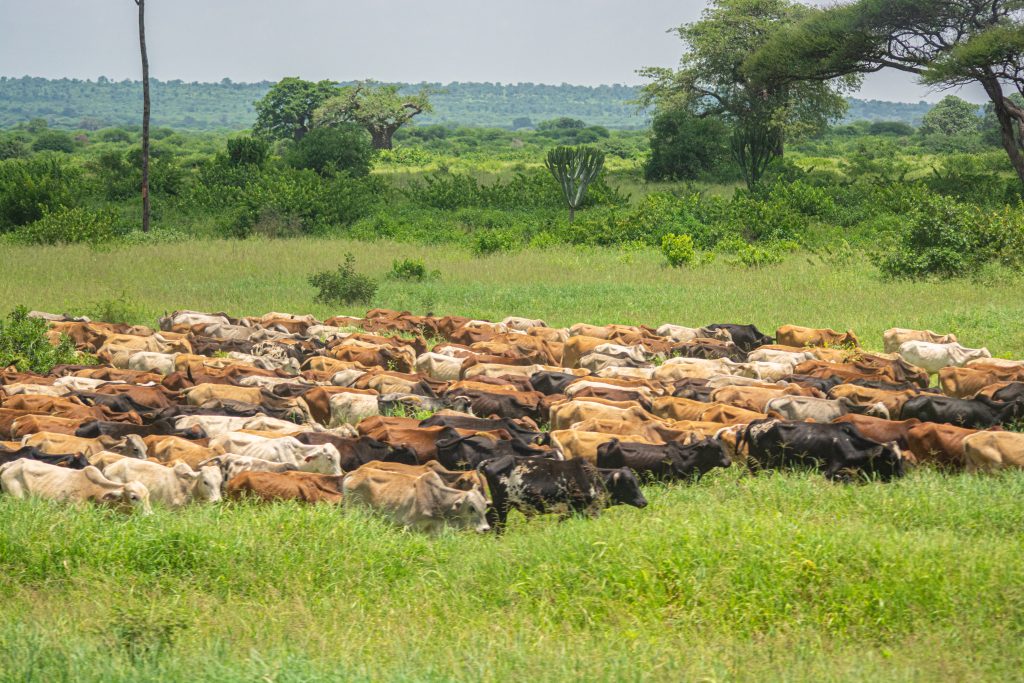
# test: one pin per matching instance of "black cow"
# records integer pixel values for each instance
(76, 461)
(747, 337)
(667, 461)
(457, 452)
(834, 449)
(536, 486)
(1013, 391)
(976, 413)
(95, 428)
(693, 389)
(482, 424)
(359, 451)
(822, 384)
(549, 382)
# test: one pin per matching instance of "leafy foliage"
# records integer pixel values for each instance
(411, 269)
(380, 109)
(286, 111)
(71, 226)
(245, 150)
(29, 188)
(685, 146)
(678, 250)
(23, 344)
(344, 285)
(342, 148)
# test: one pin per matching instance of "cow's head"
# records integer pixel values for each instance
(623, 487)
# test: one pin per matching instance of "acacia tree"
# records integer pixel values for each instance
(145, 114)
(712, 82)
(286, 111)
(946, 43)
(574, 168)
(380, 109)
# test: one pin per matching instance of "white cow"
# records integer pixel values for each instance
(933, 357)
(894, 337)
(171, 486)
(231, 465)
(352, 408)
(321, 458)
(23, 478)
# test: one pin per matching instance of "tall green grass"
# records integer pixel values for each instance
(735, 578)
(563, 285)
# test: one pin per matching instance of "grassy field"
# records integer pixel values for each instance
(737, 578)
(561, 285)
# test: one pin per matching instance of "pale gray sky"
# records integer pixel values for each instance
(585, 42)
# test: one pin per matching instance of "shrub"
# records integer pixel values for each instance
(247, 150)
(71, 226)
(120, 310)
(942, 237)
(411, 269)
(23, 344)
(343, 285)
(758, 256)
(343, 148)
(489, 242)
(31, 187)
(685, 146)
(678, 250)
(54, 141)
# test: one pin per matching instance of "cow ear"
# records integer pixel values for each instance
(112, 496)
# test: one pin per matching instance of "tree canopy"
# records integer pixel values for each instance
(286, 111)
(381, 109)
(947, 43)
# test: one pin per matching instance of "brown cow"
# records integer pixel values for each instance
(939, 444)
(305, 487)
(991, 451)
(967, 382)
(884, 431)
(794, 335)
(867, 397)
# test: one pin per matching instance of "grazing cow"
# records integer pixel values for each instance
(833, 449)
(769, 355)
(794, 335)
(60, 444)
(171, 486)
(668, 461)
(351, 406)
(548, 382)
(305, 487)
(574, 443)
(865, 397)
(566, 413)
(803, 408)
(33, 424)
(883, 430)
(746, 337)
(977, 413)
(679, 333)
(470, 480)
(524, 431)
(969, 381)
(423, 502)
(23, 478)
(461, 451)
(895, 337)
(232, 465)
(933, 357)
(940, 445)
(991, 451)
(323, 458)
(75, 461)
(212, 425)
(171, 448)
(536, 486)
(439, 366)
(357, 451)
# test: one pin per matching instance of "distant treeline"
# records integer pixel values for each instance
(75, 104)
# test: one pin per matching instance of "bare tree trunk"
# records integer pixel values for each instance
(145, 115)
(1007, 125)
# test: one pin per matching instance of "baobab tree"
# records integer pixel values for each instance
(145, 115)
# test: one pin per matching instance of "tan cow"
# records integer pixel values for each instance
(423, 503)
(894, 337)
(574, 443)
(565, 413)
(794, 335)
(23, 478)
(991, 451)
(57, 444)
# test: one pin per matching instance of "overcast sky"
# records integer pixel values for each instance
(587, 42)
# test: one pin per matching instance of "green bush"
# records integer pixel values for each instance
(120, 310)
(344, 148)
(489, 242)
(758, 256)
(343, 285)
(54, 141)
(411, 269)
(943, 238)
(678, 250)
(247, 150)
(71, 226)
(24, 345)
(31, 187)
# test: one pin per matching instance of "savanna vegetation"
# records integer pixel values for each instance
(759, 193)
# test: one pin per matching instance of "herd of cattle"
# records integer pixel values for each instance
(366, 412)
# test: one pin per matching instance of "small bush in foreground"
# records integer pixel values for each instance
(411, 269)
(678, 250)
(24, 345)
(343, 285)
